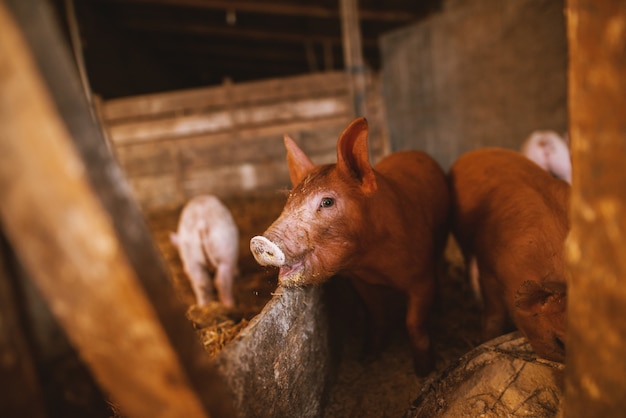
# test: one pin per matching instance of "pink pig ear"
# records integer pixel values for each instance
(299, 164)
(533, 297)
(352, 156)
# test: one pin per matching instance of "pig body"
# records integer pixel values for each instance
(512, 217)
(208, 241)
(384, 225)
(550, 152)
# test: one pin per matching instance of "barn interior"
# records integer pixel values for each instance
(160, 101)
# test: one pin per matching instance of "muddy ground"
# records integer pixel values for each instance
(381, 387)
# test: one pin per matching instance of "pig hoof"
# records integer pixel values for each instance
(266, 252)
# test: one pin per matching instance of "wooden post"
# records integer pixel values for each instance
(595, 381)
(68, 214)
(17, 368)
(77, 48)
(353, 54)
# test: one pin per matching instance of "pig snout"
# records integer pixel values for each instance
(266, 253)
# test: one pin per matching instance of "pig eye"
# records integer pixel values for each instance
(327, 202)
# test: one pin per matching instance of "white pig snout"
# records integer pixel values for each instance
(266, 252)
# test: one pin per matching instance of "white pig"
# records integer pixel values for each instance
(550, 152)
(208, 238)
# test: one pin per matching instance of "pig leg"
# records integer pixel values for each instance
(224, 276)
(418, 309)
(474, 278)
(495, 311)
(375, 317)
(200, 282)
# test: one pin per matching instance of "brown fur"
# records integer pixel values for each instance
(513, 217)
(387, 226)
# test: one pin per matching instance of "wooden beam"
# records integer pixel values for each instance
(22, 393)
(353, 53)
(595, 380)
(280, 8)
(258, 35)
(77, 48)
(68, 214)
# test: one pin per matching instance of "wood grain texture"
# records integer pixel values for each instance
(596, 366)
(68, 243)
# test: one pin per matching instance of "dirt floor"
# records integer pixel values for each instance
(387, 386)
(384, 387)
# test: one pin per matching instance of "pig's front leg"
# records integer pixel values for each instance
(419, 304)
(495, 310)
(374, 328)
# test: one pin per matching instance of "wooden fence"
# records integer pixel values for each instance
(228, 140)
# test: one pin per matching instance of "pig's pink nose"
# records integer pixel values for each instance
(266, 252)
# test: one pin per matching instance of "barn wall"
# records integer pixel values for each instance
(228, 140)
(481, 73)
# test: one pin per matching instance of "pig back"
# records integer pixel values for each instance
(421, 182)
(513, 217)
(500, 196)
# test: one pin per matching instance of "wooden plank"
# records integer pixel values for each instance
(262, 146)
(270, 34)
(158, 191)
(251, 145)
(258, 92)
(246, 177)
(224, 120)
(17, 371)
(262, 176)
(595, 373)
(90, 253)
(77, 48)
(353, 53)
(148, 158)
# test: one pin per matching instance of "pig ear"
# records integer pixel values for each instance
(299, 164)
(352, 155)
(548, 297)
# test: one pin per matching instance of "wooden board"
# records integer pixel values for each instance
(68, 215)
(18, 366)
(228, 140)
(596, 366)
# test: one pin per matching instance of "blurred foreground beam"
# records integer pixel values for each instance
(20, 392)
(68, 214)
(596, 365)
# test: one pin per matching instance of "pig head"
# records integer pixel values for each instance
(511, 217)
(382, 225)
(550, 152)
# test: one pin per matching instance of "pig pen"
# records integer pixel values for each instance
(385, 386)
(342, 383)
(283, 353)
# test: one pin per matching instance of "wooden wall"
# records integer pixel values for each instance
(480, 73)
(228, 140)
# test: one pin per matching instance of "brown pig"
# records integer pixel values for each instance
(512, 218)
(383, 225)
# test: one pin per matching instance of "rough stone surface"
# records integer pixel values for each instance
(501, 378)
(279, 366)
